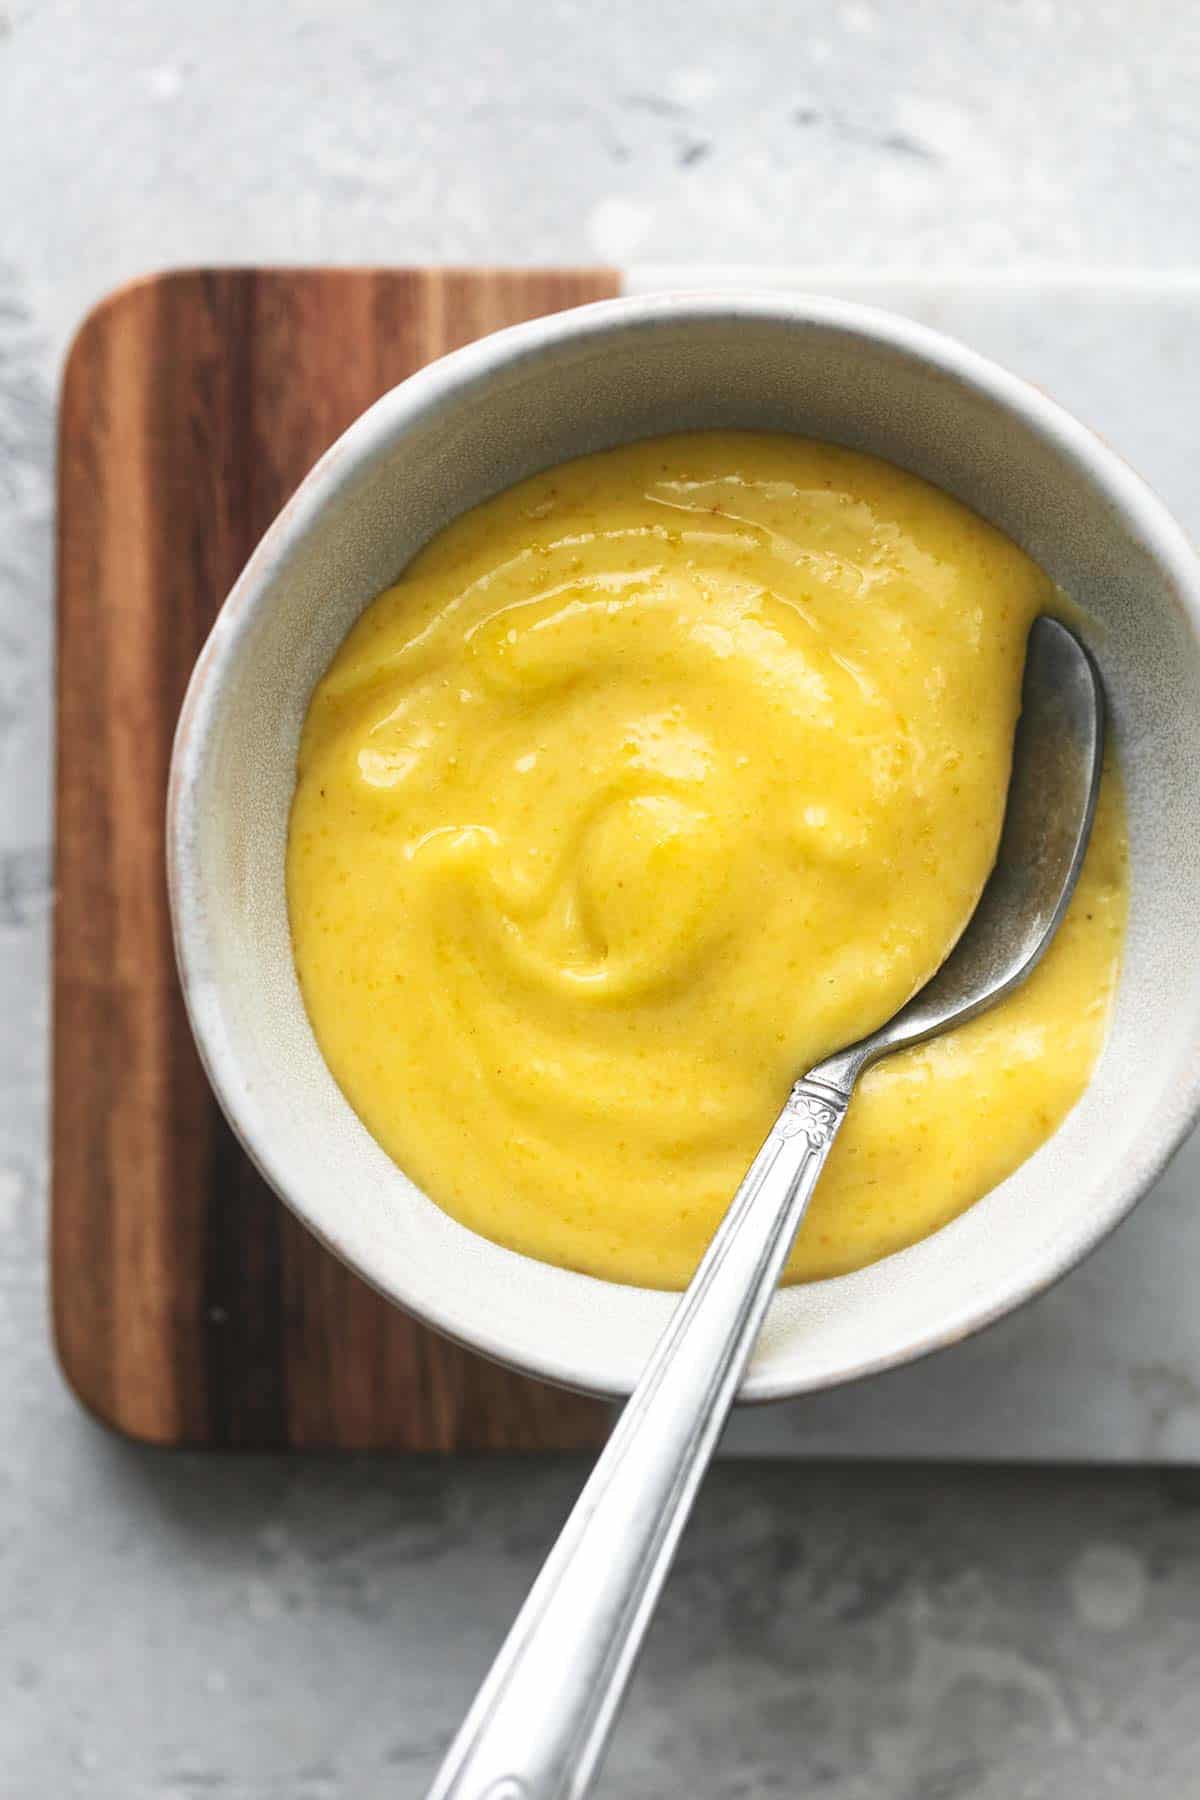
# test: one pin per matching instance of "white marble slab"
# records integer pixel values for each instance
(1106, 1368)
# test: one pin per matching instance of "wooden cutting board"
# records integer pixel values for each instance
(189, 1306)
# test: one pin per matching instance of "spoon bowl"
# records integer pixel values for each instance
(1057, 760)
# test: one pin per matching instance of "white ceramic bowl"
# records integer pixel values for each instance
(536, 395)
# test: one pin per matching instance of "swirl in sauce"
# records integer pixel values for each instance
(652, 781)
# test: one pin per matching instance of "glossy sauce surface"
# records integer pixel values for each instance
(654, 780)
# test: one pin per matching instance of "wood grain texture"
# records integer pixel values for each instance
(189, 1306)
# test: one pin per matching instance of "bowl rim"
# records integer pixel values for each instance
(365, 442)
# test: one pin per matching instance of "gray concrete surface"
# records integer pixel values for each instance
(181, 1628)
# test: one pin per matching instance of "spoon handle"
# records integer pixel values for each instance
(542, 1717)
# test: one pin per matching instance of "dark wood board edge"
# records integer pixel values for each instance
(136, 1307)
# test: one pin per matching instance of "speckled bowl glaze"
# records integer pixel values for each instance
(536, 395)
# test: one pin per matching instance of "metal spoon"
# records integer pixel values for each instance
(542, 1717)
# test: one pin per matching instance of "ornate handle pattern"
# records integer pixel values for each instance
(814, 1110)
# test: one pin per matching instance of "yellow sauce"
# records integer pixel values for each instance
(653, 781)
